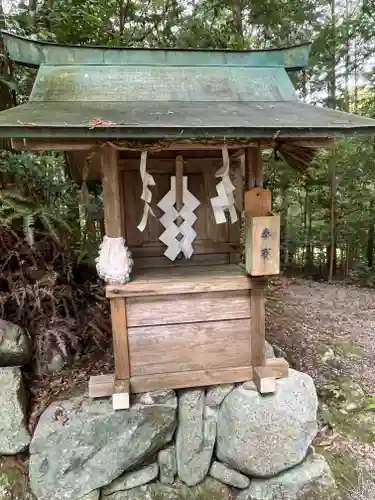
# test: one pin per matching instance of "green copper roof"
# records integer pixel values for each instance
(157, 93)
(154, 83)
(35, 53)
(178, 120)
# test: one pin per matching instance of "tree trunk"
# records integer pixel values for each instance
(122, 17)
(355, 77)
(347, 60)
(309, 249)
(237, 12)
(32, 15)
(284, 225)
(304, 226)
(370, 236)
(332, 245)
(332, 70)
(304, 85)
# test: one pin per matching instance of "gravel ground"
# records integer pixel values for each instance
(303, 316)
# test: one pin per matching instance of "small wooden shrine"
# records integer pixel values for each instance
(176, 136)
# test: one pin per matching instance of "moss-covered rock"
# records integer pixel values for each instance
(349, 350)
(343, 464)
(311, 480)
(343, 406)
(336, 353)
(13, 482)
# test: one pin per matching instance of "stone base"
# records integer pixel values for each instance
(212, 443)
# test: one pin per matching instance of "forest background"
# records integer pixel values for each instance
(51, 227)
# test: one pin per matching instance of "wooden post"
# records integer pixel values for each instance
(179, 182)
(114, 228)
(254, 178)
(254, 174)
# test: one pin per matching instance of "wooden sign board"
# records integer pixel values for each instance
(257, 202)
(262, 245)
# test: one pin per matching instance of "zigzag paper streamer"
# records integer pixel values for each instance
(147, 181)
(224, 201)
(170, 236)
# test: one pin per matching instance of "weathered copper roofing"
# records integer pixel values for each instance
(34, 53)
(158, 93)
(129, 120)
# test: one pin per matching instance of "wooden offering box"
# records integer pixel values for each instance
(190, 326)
(187, 326)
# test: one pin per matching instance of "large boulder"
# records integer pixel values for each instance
(312, 480)
(14, 436)
(209, 489)
(195, 437)
(265, 435)
(15, 345)
(81, 444)
(343, 406)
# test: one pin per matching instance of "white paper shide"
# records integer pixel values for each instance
(178, 238)
(224, 201)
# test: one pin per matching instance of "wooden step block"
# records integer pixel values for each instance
(265, 382)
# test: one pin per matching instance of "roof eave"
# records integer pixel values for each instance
(119, 133)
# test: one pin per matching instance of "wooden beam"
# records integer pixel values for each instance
(39, 145)
(173, 380)
(154, 287)
(102, 385)
(33, 144)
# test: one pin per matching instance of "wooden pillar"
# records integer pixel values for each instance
(114, 227)
(254, 178)
(254, 175)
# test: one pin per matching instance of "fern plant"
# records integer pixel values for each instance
(16, 207)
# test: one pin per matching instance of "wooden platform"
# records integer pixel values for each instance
(183, 279)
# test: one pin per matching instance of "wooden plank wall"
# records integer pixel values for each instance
(188, 332)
